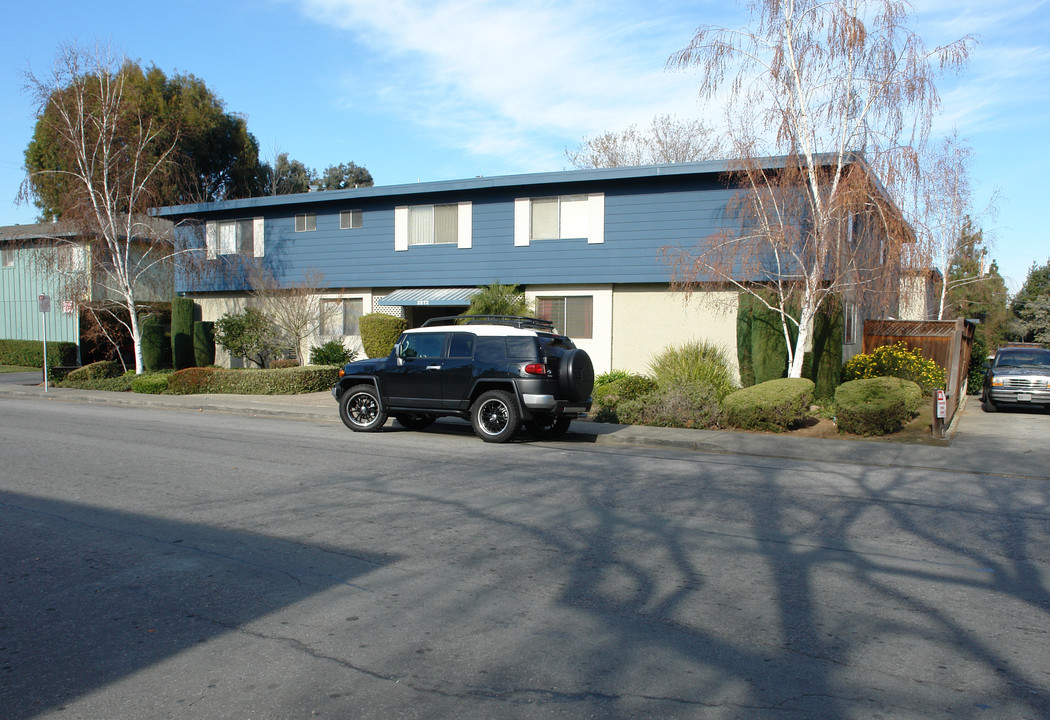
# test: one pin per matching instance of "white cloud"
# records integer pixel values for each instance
(488, 76)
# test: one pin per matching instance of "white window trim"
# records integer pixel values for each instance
(211, 238)
(595, 219)
(464, 227)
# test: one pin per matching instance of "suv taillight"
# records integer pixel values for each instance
(536, 369)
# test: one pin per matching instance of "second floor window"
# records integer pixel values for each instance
(306, 222)
(433, 224)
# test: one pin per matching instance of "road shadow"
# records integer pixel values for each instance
(91, 596)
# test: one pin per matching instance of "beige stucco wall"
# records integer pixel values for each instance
(215, 306)
(648, 318)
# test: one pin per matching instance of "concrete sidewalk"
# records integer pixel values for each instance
(981, 452)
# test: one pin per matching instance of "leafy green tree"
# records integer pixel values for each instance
(497, 299)
(286, 176)
(1031, 305)
(208, 154)
(345, 175)
(977, 290)
(249, 334)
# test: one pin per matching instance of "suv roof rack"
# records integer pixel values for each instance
(528, 323)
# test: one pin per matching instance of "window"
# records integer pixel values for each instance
(306, 222)
(572, 316)
(447, 224)
(423, 345)
(235, 237)
(558, 217)
(562, 216)
(461, 345)
(849, 323)
(7, 257)
(432, 224)
(340, 316)
(349, 219)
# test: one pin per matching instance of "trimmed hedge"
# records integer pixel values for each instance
(96, 370)
(30, 353)
(379, 332)
(772, 405)
(875, 406)
(101, 375)
(150, 383)
(249, 381)
(686, 405)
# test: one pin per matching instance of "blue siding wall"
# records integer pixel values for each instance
(642, 217)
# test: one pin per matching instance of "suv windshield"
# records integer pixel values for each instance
(1024, 359)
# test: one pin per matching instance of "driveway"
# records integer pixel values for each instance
(1017, 435)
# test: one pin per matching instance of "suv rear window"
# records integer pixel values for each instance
(523, 348)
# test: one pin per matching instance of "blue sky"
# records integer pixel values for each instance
(421, 90)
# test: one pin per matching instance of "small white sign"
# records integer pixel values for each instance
(942, 404)
(67, 307)
(44, 301)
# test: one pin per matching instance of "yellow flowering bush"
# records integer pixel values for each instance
(897, 361)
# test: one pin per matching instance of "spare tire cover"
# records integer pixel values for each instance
(576, 374)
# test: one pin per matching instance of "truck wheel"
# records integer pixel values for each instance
(361, 409)
(495, 416)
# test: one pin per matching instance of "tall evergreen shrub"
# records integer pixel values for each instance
(204, 343)
(156, 349)
(745, 306)
(182, 354)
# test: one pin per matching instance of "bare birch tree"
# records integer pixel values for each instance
(667, 140)
(844, 92)
(116, 163)
(944, 214)
(295, 308)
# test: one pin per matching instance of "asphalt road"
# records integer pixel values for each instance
(158, 564)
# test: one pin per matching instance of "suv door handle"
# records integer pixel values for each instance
(433, 367)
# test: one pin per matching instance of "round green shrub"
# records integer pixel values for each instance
(875, 406)
(150, 383)
(772, 405)
(896, 361)
(332, 352)
(694, 362)
(379, 332)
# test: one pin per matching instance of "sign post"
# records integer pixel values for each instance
(44, 302)
(940, 411)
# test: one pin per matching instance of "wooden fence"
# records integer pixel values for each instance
(946, 342)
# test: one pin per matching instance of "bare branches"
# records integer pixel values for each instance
(667, 140)
(843, 91)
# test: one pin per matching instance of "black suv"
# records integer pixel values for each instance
(499, 372)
